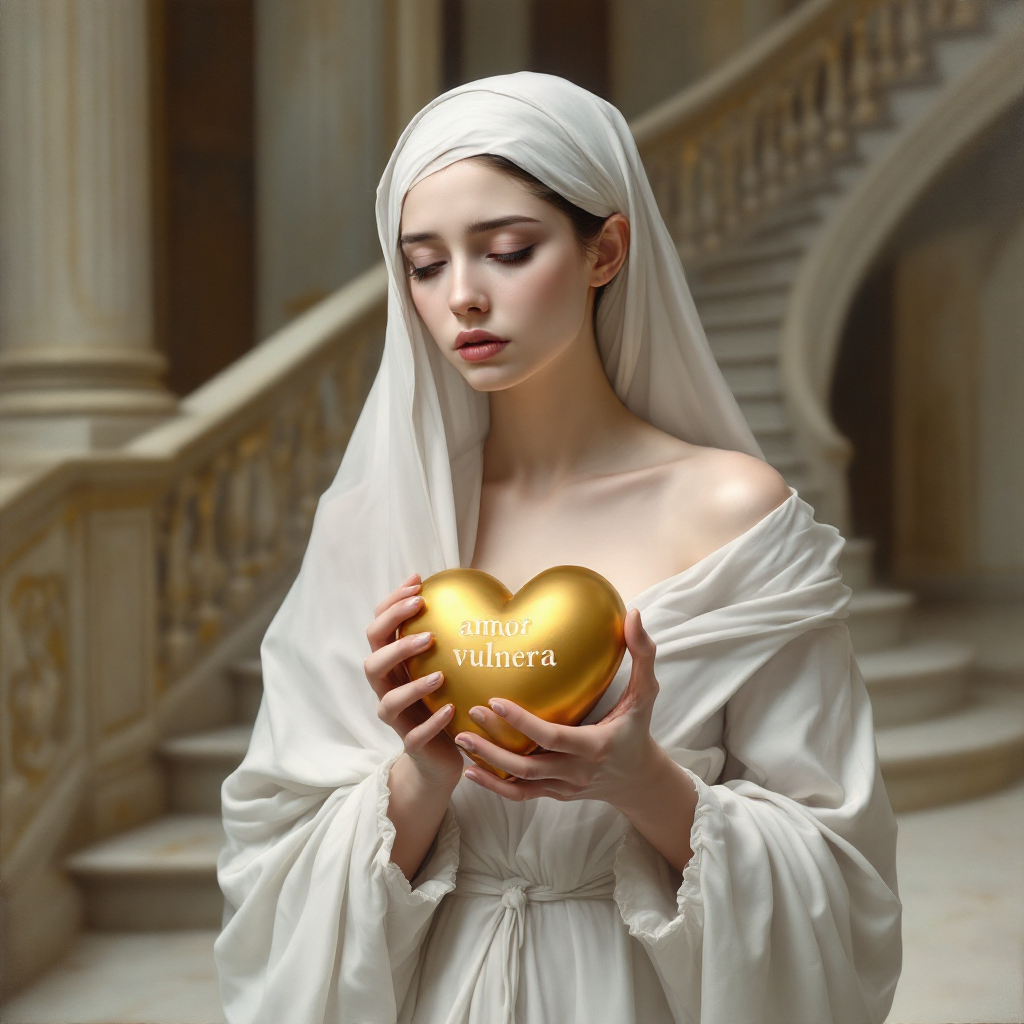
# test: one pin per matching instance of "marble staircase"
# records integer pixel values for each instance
(163, 875)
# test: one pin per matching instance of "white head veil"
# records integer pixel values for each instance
(407, 494)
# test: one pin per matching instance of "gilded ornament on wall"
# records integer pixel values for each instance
(38, 691)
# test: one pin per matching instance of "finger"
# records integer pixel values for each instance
(417, 738)
(536, 766)
(643, 685)
(387, 658)
(407, 587)
(382, 630)
(565, 739)
(400, 698)
(518, 790)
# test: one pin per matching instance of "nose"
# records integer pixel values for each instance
(466, 296)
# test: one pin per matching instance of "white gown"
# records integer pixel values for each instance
(547, 912)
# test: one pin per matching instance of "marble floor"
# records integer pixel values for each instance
(961, 872)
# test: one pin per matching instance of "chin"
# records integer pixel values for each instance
(493, 378)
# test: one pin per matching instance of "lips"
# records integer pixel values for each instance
(476, 346)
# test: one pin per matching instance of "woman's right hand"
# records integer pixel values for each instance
(429, 748)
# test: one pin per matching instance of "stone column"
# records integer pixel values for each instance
(78, 367)
(419, 52)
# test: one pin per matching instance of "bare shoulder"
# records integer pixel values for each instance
(725, 493)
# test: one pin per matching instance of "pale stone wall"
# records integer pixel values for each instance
(321, 130)
(959, 376)
(495, 38)
(660, 46)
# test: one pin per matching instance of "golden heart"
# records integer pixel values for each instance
(553, 648)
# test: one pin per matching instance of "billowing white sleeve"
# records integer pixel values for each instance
(321, 925)
(788, 911)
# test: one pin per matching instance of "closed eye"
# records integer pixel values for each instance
(422, 273)
(519, 256)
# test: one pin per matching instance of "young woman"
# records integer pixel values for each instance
(715, 843)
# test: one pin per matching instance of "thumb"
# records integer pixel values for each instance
(643, 686)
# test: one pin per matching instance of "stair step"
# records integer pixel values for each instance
(247, 675)
(742, 345)
(779, 223)
(878, 619)
(764, 415)
(199, 763)
(916, 681)
(754, 381)
(162, 875)
(779, 447)
(746, 255)
(768, 305)
(763, 282)
(975, 750)
(744, 278)
(741, 320)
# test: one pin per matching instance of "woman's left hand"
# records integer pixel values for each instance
(617, 760)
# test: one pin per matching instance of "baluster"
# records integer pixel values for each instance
(937, 10)
(728, 189)
(771, 161)
(208, 572)
(265, 517)
(307, 469)
(282, 447)
(913, 38)
(238, 524)
(709, 206)
(750, 179)
(178, 638)
(789, 133)
(686, 220)
(661, 184)
(888, 69)
(335, 435)
(810, 117)
(837, 138)
(865, 109)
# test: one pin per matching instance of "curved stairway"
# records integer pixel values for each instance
(940, 737)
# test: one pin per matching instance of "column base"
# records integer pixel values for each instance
(61, 400)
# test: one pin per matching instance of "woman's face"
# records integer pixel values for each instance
(495, 273)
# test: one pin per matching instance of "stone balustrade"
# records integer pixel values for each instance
(723, 154)
(124, 573)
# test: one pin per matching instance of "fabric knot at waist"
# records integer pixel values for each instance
(508, 922)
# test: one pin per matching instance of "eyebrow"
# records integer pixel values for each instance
(474, 229)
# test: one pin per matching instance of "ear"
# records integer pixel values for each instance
(612, 248)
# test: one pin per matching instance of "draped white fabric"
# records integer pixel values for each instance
(543, 911)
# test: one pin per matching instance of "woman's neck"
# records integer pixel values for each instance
(565, 420)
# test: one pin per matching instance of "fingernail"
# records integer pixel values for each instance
(415, 602)
(477, 715)
(434, 680)
(498, 708)
(447, 710)
(464, 741)
(422, 639)
(473, 774)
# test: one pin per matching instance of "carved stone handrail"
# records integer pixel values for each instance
(843, 251)
(724, 152)
(125, 575)
(768, 129)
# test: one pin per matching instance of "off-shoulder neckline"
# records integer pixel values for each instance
(638, 600)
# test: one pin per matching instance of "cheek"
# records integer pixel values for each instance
(432, 306)
(550, 296)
